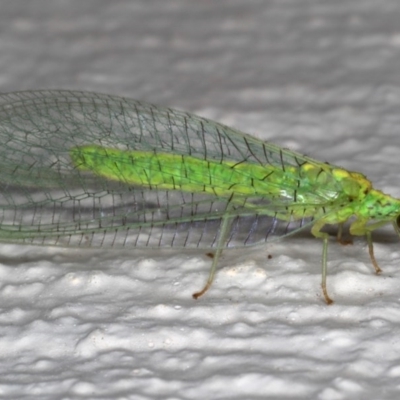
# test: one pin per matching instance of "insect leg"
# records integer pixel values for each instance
(371, 252)
(339, 236)
(324, 270)
(339, 233)
(223, 234)
(316, 231)
(359, 228)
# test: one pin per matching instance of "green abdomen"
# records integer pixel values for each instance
(190, 174)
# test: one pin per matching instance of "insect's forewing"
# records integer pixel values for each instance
(45, 199)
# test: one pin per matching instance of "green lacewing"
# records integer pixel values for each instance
(92, 170)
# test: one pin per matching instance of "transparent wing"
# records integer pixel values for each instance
(45, 199)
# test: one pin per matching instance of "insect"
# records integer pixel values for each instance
(85, 169)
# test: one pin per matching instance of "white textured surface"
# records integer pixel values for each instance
(321, 77)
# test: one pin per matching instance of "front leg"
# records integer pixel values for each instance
(360, 228)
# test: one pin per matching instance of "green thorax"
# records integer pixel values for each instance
(380, 206)
(362, 200)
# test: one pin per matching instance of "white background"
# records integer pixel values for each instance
(320, 77)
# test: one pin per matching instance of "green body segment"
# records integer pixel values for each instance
(304, 184)
(190, 174)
